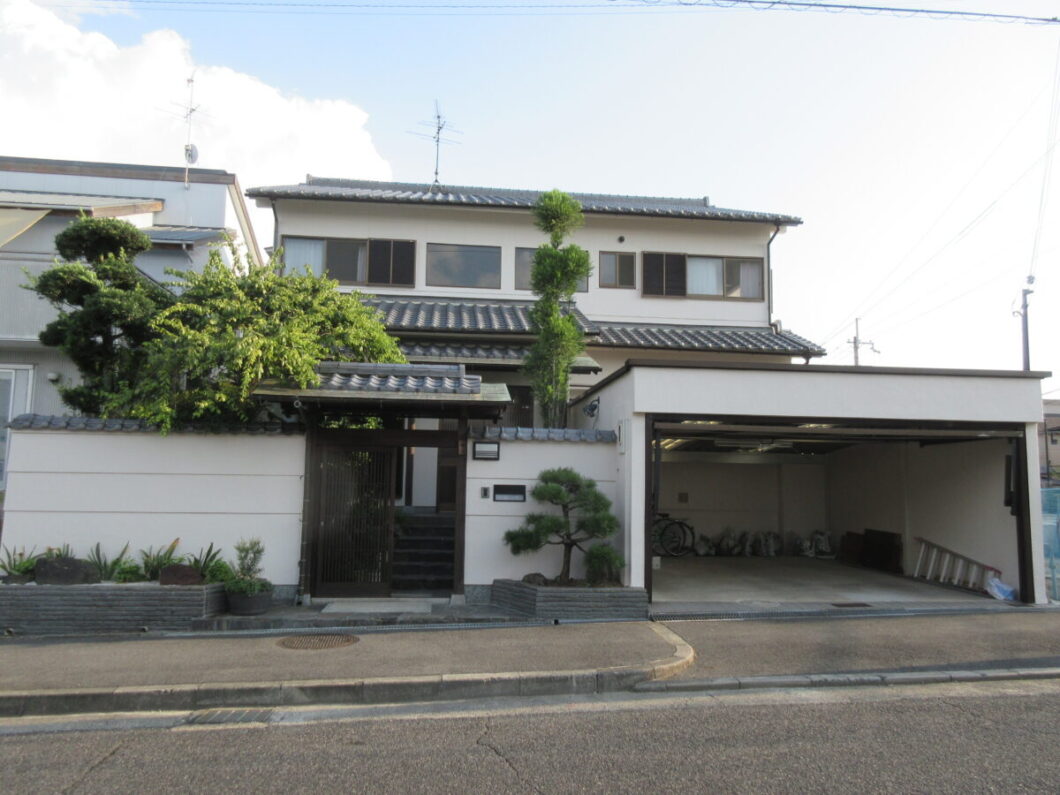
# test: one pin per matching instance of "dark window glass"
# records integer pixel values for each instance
(654, 279)
(627, 270)
(463, 266)
(404, 263)
(675, 274)
(346, 260)
(379, 252)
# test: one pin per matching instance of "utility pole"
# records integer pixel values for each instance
(857, 342)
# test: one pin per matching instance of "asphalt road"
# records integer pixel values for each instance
(940, 739)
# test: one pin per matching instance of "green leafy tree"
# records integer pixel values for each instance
(557, 270)
(106, 306)
(585, 514)
(233, 327)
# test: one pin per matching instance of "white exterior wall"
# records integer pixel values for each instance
(818, 393)
(86, 487)
(510, 229)
(752, 493)
(952, 494)
(486, 556)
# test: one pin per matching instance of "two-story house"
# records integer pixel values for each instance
(183, 211)
(694, 383)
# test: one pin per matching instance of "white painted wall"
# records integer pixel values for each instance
(486, 556)
(952, 494)
(809, 392)
(425, 470)
(753, 493)
(514, 228)
(80, 488)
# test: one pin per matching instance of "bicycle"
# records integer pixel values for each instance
(671, 537)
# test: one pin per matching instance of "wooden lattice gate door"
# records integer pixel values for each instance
(355, 520)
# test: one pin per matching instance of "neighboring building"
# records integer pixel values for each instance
(38, 198)
(1049, 443)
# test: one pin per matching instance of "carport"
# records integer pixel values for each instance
(886, 462)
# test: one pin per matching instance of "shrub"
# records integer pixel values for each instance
(603, 565)
(19, 562)
(218, 571)
(156, 560)
(585, 514)
(65, 551)
(247, 579)
(205, 559)
(107, 567)
(129, 571)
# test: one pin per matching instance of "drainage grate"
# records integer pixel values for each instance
(214, 717)
(316, 642)
(851, 604)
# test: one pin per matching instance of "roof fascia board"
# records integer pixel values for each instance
(809, 368)
(115, 170)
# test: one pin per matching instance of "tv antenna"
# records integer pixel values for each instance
(859, 343)
(191, 152)
(440, 124)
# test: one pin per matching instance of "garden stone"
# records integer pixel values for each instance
(65, 571)
(535, 579)
(180, 574)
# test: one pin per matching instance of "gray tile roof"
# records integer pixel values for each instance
(415, 193)
(184, 234)
(494, 433)
(404, 378)
(45, 422)
(725, 339)
(481, 354)
(461, 315)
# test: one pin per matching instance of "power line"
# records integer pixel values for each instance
(554, 8)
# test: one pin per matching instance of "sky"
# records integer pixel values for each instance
(917, 150)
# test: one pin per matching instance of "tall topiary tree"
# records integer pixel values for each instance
(585, 514)
(557, 270)
(233, 327)
(106, 306)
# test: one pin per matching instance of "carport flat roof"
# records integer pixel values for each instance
(810, 368)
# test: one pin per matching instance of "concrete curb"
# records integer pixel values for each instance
(728, 683)
(376, 690)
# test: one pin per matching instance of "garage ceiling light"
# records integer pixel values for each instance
(816, 425)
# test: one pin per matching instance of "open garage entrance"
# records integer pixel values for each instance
(821, 514)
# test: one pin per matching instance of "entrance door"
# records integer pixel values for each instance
(355, 511)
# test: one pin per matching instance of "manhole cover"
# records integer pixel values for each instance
(314, 642)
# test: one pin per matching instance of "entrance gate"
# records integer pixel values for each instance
(356, 518)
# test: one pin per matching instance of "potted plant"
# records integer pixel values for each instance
(249, 594)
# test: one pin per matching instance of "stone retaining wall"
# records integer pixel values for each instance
(569, 603)
(87, 609)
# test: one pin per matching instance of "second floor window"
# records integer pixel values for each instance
(524, 264)
(618, 269)
(705, 277)
(463, 266)
(349, 261)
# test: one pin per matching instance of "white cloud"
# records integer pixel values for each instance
(69, 94)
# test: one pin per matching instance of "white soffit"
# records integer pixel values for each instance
(14, 222)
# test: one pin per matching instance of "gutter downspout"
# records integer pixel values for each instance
(769, 271)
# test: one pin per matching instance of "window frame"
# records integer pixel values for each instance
(427, 266)
(617, 285)
(367, 241)
(725, 260)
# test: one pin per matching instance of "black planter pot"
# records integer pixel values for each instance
(240, 604)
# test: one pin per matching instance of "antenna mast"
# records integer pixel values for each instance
(191, 154)
(858, 342)
(440, 125)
